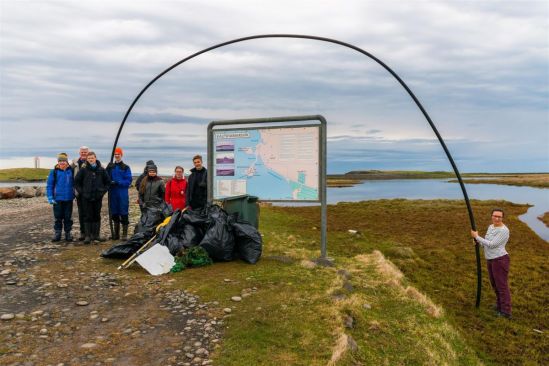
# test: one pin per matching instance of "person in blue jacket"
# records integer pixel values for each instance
(121, 179)
(60, 193)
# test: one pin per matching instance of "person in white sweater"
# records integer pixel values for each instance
(498, 262)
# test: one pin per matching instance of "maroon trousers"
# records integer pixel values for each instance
(498, 269)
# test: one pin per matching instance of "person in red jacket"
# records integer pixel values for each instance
(176, 188)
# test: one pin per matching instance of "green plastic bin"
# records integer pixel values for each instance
(246, 206)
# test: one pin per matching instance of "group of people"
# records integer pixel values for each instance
(87, 180)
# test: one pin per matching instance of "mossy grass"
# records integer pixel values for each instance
(23, 174)
(530, 180)
(444, 266)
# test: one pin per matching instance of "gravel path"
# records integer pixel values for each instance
(60, 304)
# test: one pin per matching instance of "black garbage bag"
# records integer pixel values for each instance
(183, 237)
(178, 234)
(167, 229)
(248, 242)
(152, 216)
(218, 240)
(126, 249)
(197, 218)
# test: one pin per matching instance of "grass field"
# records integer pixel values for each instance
(401, 292)
(531, 180)
(23, 174)
(429, 242)
(539, 180)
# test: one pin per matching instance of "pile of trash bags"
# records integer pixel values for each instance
(223, 236)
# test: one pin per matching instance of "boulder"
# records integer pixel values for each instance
(26, 192)
(8, 193)
(40, 191)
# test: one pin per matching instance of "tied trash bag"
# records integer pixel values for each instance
(145, 230)
(127, 248)
(152, 216)
(198, 218)
(178, 234)
(219, 239)
(248, 242)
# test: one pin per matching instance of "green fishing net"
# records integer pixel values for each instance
(193, 257)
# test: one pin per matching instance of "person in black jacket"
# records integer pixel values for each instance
(152, 189)
(92, 182)
(140, 179)
(197, 188)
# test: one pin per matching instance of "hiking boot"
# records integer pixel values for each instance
(82, 236)
(56, 236)
(68, 236)
(96, 232)
(87, 233)
(116, 233)
(124, 232)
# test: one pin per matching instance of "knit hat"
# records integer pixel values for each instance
(149, 162)
(62, 157)
(118, 150)
(152, 167)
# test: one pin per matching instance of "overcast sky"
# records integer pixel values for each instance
(70, 69)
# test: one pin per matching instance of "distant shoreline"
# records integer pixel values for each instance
(349, 179)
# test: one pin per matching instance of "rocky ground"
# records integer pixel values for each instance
(61, 304)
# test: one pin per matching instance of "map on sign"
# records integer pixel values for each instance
(270, 163)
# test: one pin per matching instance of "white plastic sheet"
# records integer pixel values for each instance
(157, 260)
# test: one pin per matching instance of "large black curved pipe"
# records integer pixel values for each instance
(329, 40)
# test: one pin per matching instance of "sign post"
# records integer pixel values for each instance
(281, 159)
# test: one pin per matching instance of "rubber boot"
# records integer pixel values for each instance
(116, 234)
(87, 233)
(68, 236)
(56, 236)
(97, 232)
(124, 232)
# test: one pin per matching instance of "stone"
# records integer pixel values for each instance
(227, 310)
(8, 193)
(348, 321)
(236, 298)
(88, 345)
(5, 272)
(43, 331)
(26, 192)
(7, 316)
(367, 306)
(82, 303)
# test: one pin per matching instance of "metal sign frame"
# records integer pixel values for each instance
(322, 153)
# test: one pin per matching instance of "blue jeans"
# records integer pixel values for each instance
(62, 211)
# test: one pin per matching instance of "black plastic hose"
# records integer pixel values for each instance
(382, 64)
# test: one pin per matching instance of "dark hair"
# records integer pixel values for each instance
(179, 167)
(498, 210)
(197, 157)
